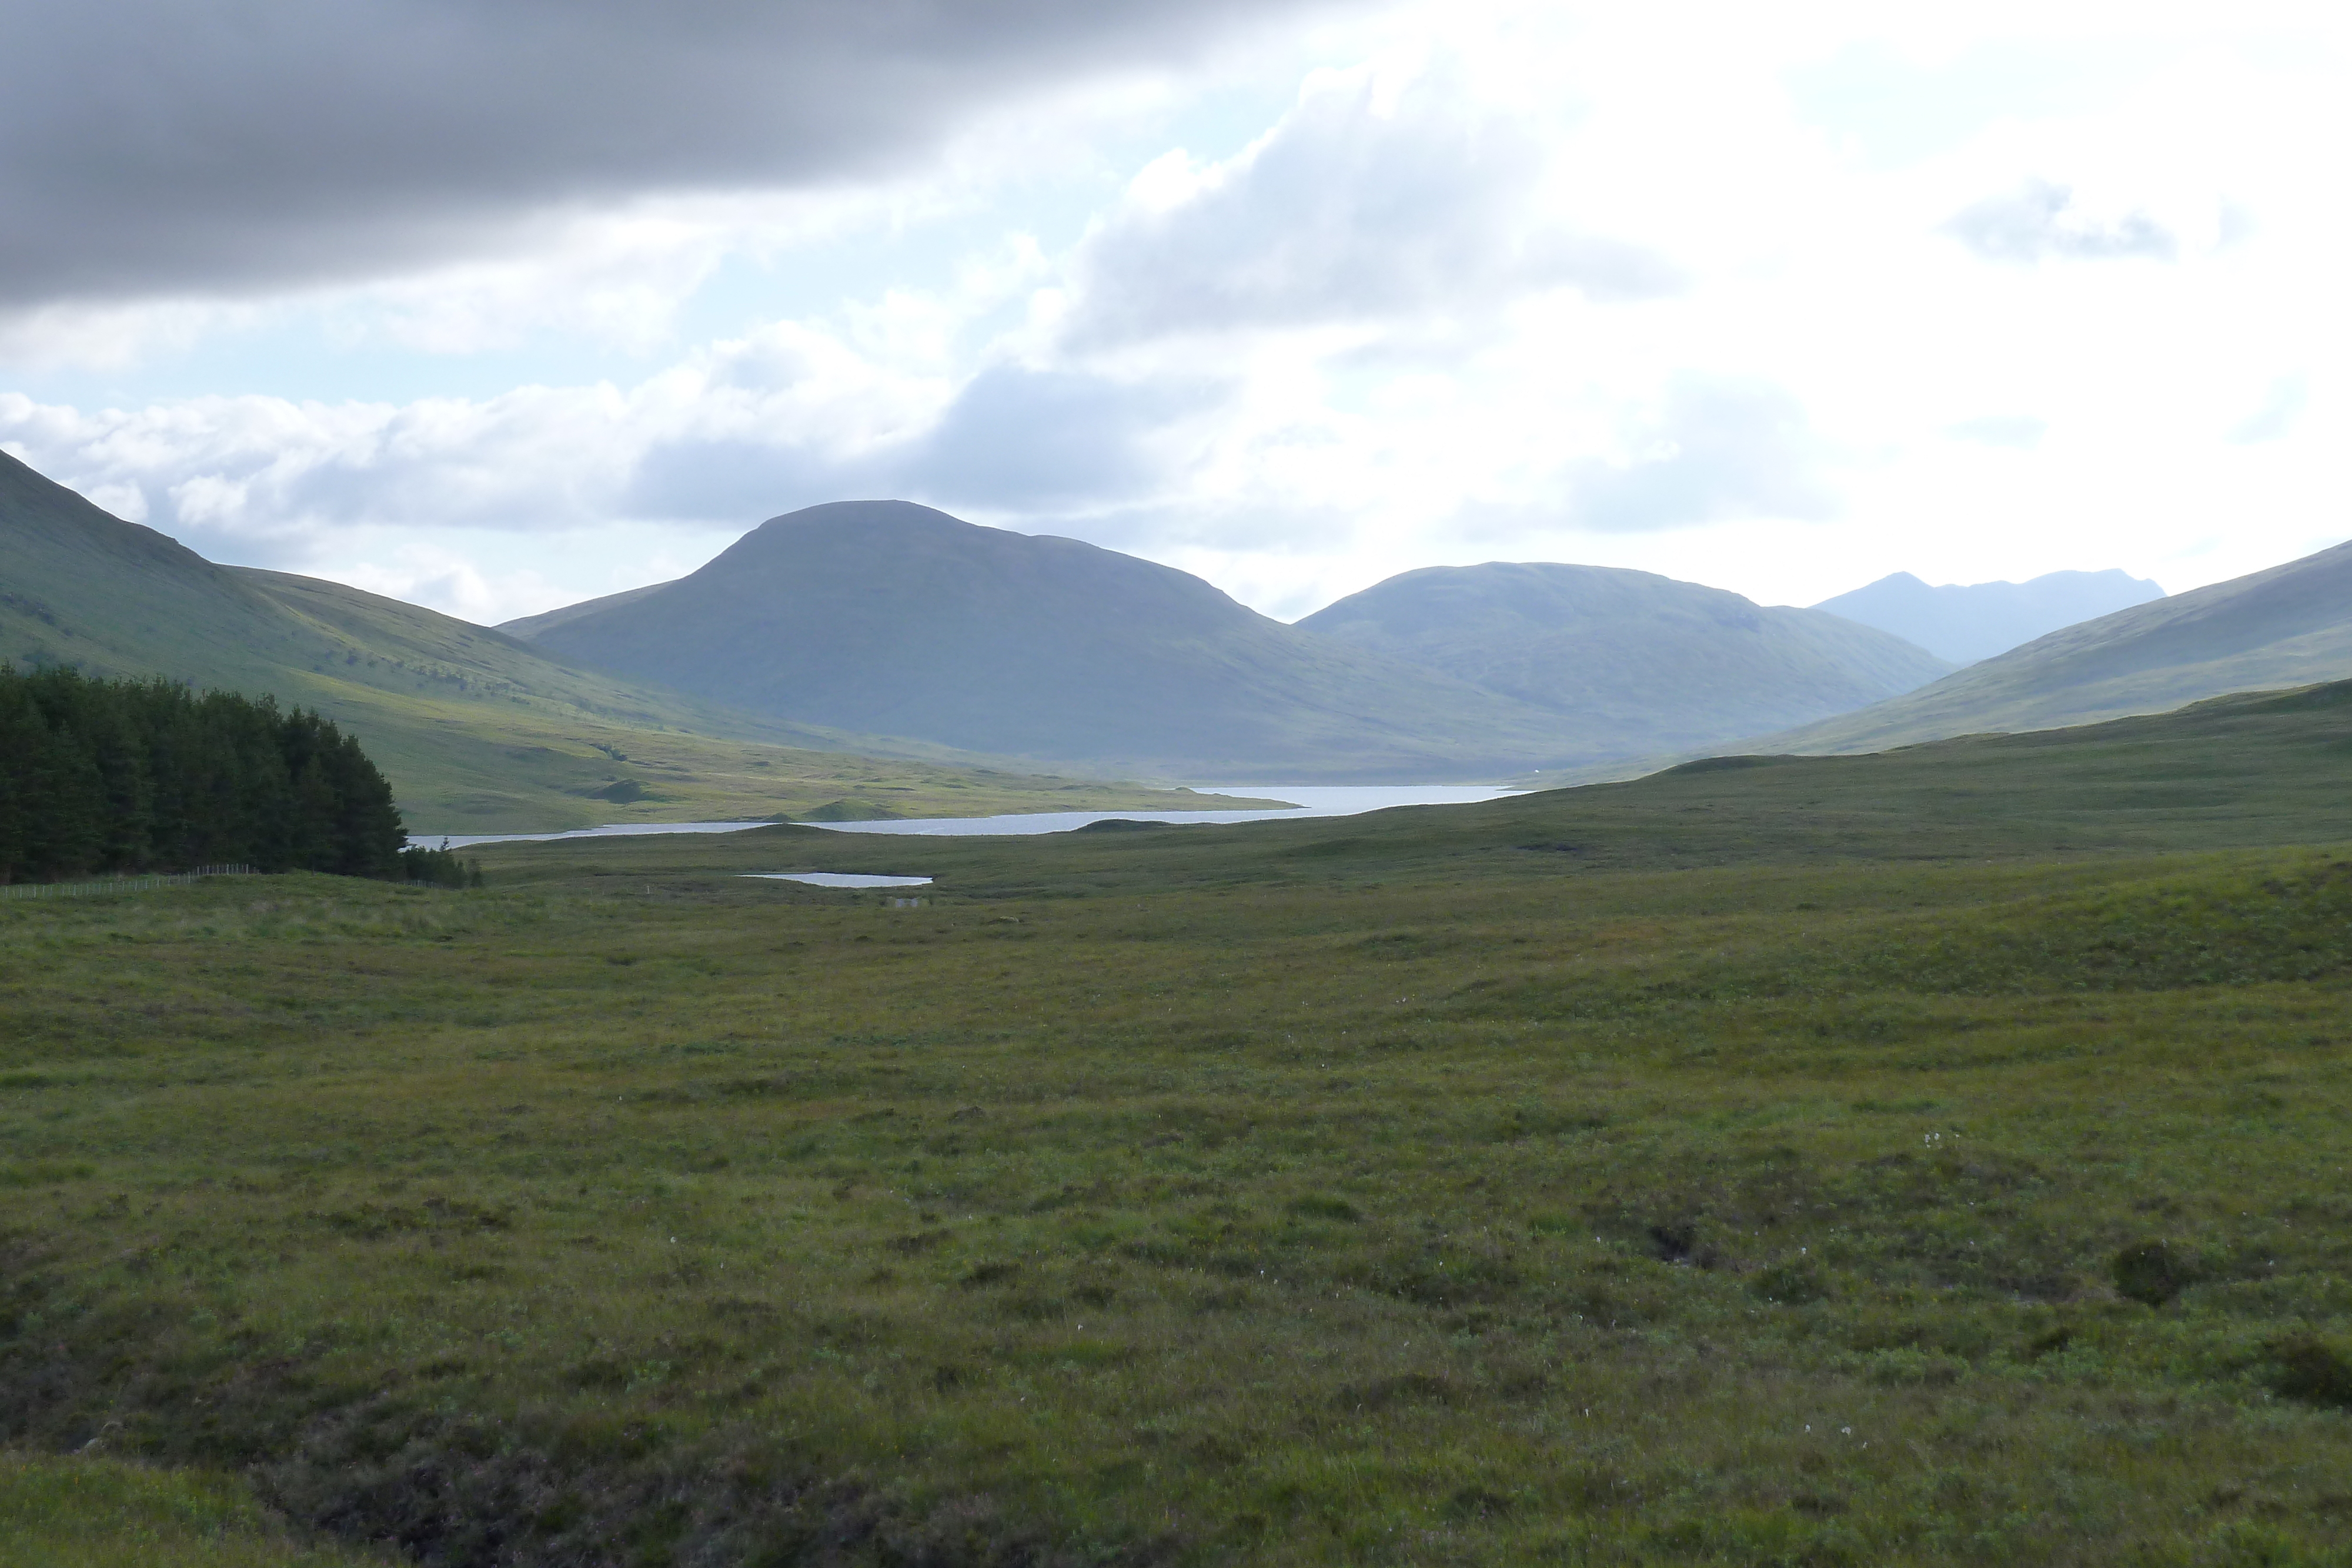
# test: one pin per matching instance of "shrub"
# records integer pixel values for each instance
(2152, 1272)
(2307, 1368)
(439, 868)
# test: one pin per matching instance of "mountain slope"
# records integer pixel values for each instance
(475, 730)
(1638, 663)
(528, 627)
(1966, 624)
(2288, 626)
(887, 616)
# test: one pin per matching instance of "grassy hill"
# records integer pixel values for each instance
(1636, 664)
(477, 731)
(1926, 1159)
(890, 617)
(2288, 626)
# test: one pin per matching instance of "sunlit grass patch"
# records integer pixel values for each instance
(94, 1512)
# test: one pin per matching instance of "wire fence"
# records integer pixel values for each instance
(118, 885)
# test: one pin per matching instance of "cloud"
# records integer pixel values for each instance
(1012, 440)
(1364, 202)
(154, 147)
(1041, 439)
(736, 477)
(2022, 431)
(2278, 414)
(1897, 110)
(264, 481)
(1721, 449)
(758, 427)
(2039, 221)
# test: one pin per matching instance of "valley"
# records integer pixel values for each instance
(1862, 1159)
(1251, 784)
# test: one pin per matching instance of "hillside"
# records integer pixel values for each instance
(1979, 619)
(2288, 626)
(528, 628)
(894, 618)
(475, 730)
(1636, 663)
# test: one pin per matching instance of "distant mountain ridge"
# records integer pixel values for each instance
(894, 617)
(2287, 626)
(1966, 623)
(1635, 662)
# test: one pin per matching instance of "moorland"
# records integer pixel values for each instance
(1928, 1158)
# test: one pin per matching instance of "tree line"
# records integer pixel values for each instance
(102, 777)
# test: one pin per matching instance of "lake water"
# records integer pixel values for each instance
(1311, 800)
(610, 830)
(840, 879)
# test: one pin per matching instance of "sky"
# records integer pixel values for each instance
(497, 307)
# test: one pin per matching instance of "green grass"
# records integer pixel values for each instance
(1868, 1181)
(96, 1512)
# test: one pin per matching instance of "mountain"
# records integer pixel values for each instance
(2288, 626)
(1964, 625)
(1636, 663)
(889, 617)
(476, 731)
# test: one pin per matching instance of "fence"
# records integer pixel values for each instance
(121, 884)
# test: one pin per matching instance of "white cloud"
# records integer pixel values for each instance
(2280, 410)
(1718, 451)
(1381, 195)
(2039, 221)
(2022, 430)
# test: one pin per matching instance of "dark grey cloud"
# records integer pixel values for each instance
(1015, 439)
(1349, 209)
(2039, 221)
(1722, 449)
(159, 146)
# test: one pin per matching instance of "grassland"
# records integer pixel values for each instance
(91, 1511)
(1784, 1163)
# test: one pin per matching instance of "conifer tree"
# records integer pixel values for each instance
(133, 776)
